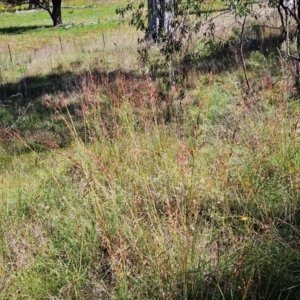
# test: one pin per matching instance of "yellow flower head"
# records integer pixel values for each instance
(244, 218)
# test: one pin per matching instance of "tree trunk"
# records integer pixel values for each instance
(33, 4)
(297, 13)
(56, 12)
(160, 16)
(168, 15)
(153, 20)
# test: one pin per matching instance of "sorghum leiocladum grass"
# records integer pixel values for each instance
(140, 208)
(216, 218)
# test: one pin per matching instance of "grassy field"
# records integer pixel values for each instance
(29, 44)
(113, 188)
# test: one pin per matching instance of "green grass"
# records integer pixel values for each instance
(139, 213)
(37, 25)
(112, 188)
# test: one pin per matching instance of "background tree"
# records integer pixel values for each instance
(171, 24)
(289, 10)
(54, 9)
(160, 17)
(174, 26)
(32, 5)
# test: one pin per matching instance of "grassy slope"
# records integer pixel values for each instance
(203, 207)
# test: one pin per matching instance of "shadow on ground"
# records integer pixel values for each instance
(33, 88)
(22, 29)
(23, 107)
(28, 108)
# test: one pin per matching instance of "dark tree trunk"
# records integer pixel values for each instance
(56, 12)
(297, 6)
(33, 4)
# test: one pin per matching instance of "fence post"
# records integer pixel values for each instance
(103, 40)
(61, 47)
(9, 53)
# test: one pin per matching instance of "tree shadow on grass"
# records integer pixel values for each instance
(22, 111)
(227, 56)
(33, 88)
(29, 107)
(23, 103)
(22, 29)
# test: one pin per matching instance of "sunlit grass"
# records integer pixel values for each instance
(146, 210)
(113, 187)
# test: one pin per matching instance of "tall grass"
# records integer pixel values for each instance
(112, 188)
(204, 206)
